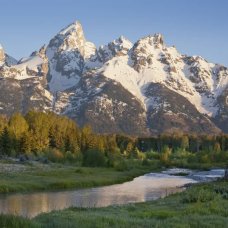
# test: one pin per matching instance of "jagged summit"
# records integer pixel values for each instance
(140, 89)
(123, 43)
(69, 38)
(118, 47)
(73, 27)
(6, 59)
(69, 53)
(154, 40)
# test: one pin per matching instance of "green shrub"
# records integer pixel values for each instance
(198, 195)
(146, 162)
(152, 155)
(94, 158)
(73, 157)
(222, 190)
(113, 158)
(122, 165)
(165, 155)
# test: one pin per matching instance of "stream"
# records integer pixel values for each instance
(144, 188)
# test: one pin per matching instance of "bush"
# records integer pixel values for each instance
(113, 158)
(180, 154)
(122, 165)
(145, 162)
(222, 190)
(165, 155)
(94, 158)
(141, 156)
(73, 157)
(152, 155)
(198, 195)
(55, 155)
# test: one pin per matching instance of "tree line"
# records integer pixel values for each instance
(55, 137)
(58, 138)
(190, 142)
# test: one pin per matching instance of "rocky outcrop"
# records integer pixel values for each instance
(169, 112)
(118, 47)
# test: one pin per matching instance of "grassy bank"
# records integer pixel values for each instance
(205, 205)
(27, 178)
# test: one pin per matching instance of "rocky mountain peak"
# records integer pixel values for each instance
(155, 40)
(5, 59)
(74, 27)
(117, 47)
(70, 38)
(42, 51)
(158, 38)
(137, 89)
(68, 54)
(145, 51)
(123, 41)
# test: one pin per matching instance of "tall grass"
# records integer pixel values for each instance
(66, 177)
(10, 221)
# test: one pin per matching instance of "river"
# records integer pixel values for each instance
(144, 188)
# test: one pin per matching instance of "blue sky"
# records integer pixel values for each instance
(195, 27)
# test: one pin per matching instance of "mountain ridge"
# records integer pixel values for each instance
(70, 76)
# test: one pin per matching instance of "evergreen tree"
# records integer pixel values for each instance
(26, 143)
(5, 143)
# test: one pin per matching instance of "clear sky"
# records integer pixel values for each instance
(195, 27)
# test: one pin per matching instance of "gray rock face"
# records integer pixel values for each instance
(22, 96)
(138, 89)
(105, 105)
(170, 112)
(221, 119)
(68, 53)
(118, 47)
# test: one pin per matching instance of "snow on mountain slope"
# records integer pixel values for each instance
(33, 66)
(10, 61)
(118, 47)
(150, 61)
(30, 64)
(68, 53)
(119, 83)
(6, 59)
(119, 70)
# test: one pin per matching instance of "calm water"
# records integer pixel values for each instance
(144, 188)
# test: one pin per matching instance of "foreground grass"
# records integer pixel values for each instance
(53, 177)
(205, 205)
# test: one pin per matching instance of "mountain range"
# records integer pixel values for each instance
(143, 88)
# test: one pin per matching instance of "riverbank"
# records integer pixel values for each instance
(30, 177)
(203, 205)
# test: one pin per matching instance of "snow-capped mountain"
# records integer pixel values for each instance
(140, 89)
(5, 58)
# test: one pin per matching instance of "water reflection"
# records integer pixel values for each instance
(141, 189)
